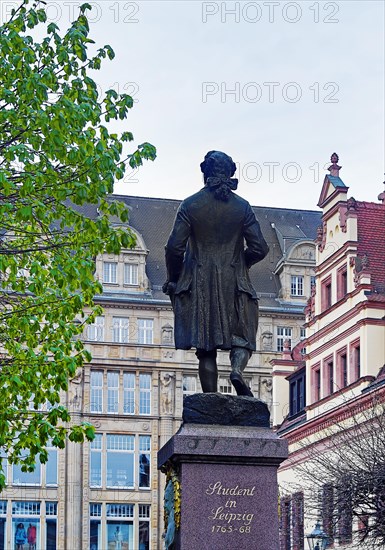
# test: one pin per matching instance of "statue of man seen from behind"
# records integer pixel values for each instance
(214, 242)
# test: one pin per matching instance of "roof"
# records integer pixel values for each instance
(153, 218)
(371, 242)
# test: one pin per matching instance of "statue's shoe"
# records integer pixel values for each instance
(240, 385)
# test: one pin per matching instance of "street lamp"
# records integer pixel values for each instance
(317, 539)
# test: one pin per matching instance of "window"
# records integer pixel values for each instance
(34, 525)
(326, 293)
(312, 281)
(120, 330)
(110, 272)
(297, 285)
(51, 525)
(225, 386)
(96, 404)
(145, 331)
(3, 523)
(283, 333)
(95, 331)
(189, 385)
(113, 392)
(144, 393)
(302, 336)
(27, 478)
(297, 393)
(355, 361)
(342, 283)
(118, 526)
(96, 461)
(144, 526)
(285, 524)
(345, 515)
(131, 274)
(328, 512)
(316, 383)
(344, 369)
(329, 376)
(51, 466)
(95, 526)
(120, 461)
(297, 505)
(106, 390)
(129, 392)
(144, 461)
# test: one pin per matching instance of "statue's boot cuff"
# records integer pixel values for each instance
(239, 384)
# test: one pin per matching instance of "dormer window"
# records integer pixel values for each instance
(297, 285)
(131, 274)
(110, 272)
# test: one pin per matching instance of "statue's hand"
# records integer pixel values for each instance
(169, 288)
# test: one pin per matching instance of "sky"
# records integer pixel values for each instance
(279, 86)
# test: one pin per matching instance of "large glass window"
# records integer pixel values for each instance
(51, 466)
(3, 523)
(95, 526)
(27, 478)
(25, 525)
(144, 527)
(144, 460)
(120, 460)
(120, 526)
(96, 404)
(120, 330)
(96, 461)
(145, 331)
(112, 391)
(117, 520)
(144, 393)
(110, 272)
(50, 525)
(95, 331)
(131, 274)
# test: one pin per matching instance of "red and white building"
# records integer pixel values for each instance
(333, 375)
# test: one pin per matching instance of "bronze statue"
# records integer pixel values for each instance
(214, 302)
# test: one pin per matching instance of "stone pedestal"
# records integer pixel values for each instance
(226, 477)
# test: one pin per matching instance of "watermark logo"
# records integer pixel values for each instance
(271, 12)
(269, 92)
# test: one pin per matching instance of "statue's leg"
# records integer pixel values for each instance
(239, 358)
(208, 372)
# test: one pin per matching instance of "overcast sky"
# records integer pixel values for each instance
(307, 79)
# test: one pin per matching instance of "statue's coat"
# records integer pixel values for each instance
(215, 304)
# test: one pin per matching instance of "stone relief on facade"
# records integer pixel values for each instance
(167, 334)
(267, 341)
(166, 392)
(266, 391)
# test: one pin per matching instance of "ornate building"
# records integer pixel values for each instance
(109, 492)
(333, 390)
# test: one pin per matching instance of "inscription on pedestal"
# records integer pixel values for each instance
(231, 515)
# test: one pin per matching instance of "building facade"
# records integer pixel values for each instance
(335, 393)
(108, 494)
